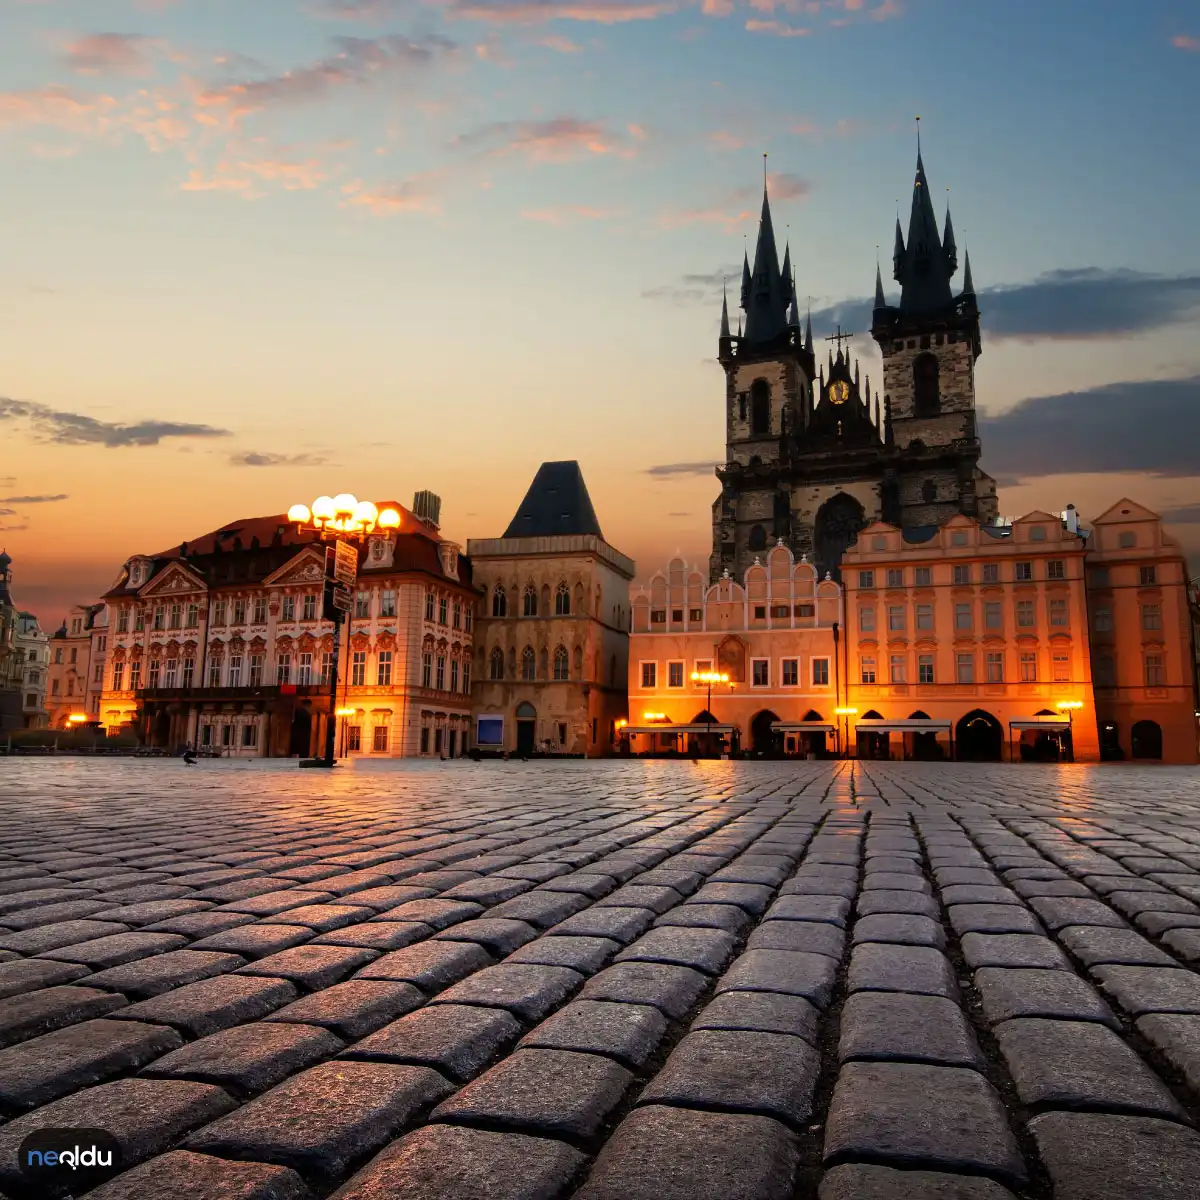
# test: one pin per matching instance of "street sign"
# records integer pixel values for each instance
(345, 564)
(341, 597)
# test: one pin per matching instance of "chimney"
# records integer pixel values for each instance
(1070, 519)
(428, 507)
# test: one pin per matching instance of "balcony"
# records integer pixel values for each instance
(272, 692)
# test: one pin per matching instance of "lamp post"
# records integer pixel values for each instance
(847, 713)
(709, 678)
(1069, 707)
(344, 521)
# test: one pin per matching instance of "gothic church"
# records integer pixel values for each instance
(810, 456)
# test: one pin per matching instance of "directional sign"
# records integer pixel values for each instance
(341, 597)
(345, 564)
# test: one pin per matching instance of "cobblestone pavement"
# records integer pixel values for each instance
(613, 981)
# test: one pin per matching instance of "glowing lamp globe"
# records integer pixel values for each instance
(299, 514)
(389, 519)
(365, 513)
(323, 508)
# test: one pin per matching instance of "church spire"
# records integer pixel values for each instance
(724, 312)
(898, 253)
(968, 282)
(767, 301)
(924, 266)
(808, 332)
(949, 249)
(880, 299)
(745, 281)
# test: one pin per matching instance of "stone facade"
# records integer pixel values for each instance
(76, 667)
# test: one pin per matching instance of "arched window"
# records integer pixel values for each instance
(760, 406)
(928, 492)
(497, 671)
(758, 538)
(562, 601)
(927, 400)
(499, 602)
(529, 605)
(560, 662)
(528, 664)
(580, 600)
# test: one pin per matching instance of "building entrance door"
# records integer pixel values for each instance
(526, 728)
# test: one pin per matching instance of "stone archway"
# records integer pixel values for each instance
(978, 737)
(766, 741)
(836, 528)
(526, 728)
(1146, 740)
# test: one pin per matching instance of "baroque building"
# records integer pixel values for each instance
(813, 453)
(221, 643)
(76, 671)
(552, 639)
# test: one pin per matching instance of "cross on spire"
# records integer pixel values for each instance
(839, 337)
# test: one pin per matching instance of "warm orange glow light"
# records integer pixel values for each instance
(653, 716)
(389, 518)
(709, 677)
(345, 712)
(1066, 704)
(846, 712)
(77, 718)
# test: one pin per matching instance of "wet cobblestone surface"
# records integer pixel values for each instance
(611, 981)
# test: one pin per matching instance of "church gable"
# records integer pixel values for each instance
(1124, 511)
(307, 567)
(175, 580)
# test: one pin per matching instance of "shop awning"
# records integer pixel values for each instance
(802, 727)
(701, 728)
(1040, 723)
(906, 726)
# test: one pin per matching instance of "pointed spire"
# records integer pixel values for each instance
(808, 332)
(745, 281)
(789, 283)
(924, 273)
(880, 298)
(856, 374)
(878, 426)
(898, 254)
(724, 312)
(949, 249)
(968, 282)
(768, 293)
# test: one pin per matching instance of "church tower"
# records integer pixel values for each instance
(930, 343)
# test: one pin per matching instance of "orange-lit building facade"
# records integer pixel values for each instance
(774, 634)
(220, 644)
(1142, 638)
(970, 641)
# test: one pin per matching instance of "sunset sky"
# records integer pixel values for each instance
(256, 250)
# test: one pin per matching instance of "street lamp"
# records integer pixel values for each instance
(343, 713)
(1069, 706)
(847, 713)
(709, 678)
(342, 520)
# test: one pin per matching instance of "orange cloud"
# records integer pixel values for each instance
(1184, 41)
(560, 139)
(567, 213)
(536, 12)
(740, 205)
(57, 106)
(414, 195)
(561, 44)
(777, 28)
(110, 54)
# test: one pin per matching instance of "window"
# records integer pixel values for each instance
(257, 662)
(805, 610)
(896, 617)
(529, 602)
(958, 537)
(283, 669)
(387, 602)
(791, 672)
(466, 675)
(1104, 619)
(193, 616)
(963, 616)
(175, 614)
(214, 673)
(358, 668)
(820, 672)
(760, 672)
(123, 621)
(440, 675)
(227, 735)
(260, 610)
(1023, 572)
(962, 574)
(702, 665)
(994, 664)
(1151, 616)
(58, 654)
(250, 735)
(1025, 614)
(1037, 533)
(160, 618)
(924, 576)
(139, 620)
(427, 669)
(443, 609)
(991, 572)
(304, 670)
(924, 616)
(135, 674)
(1058, 613)
(287, 611)
(1056, 569)
(867, 666)
(1155, 676)
(1127, 540)
(896, 668)
(1147, 576)
(866, 579)
(362, 605)
(54, 687)
(457, 618)
(468, 617)
(31, 700)
(499, 604)
(383, 669)
(879, 543)
(430, 601)
(696, 615)
(528, 664)
(118, 677)
(74, 655)
(866, 620)
(895, 577)
(658, 616)
(497, 664)
(1029, 666)
(562, 662)
(235, 670)
(649, 674)
(425, 739)
(309, 610)
(102, 642)
(98, 674)
(674, 674)
(206, 738)
(239, 613)
(760, 612)
(781, 611)
(964, 668)
(1060, 666)
(189, 670)
(760, 410)
(925, 668)
(926, 396)
(1099, 577)
(153, 678)
(353, 739)
(379, 739)
(326, 667)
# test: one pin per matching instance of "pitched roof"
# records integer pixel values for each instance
(926, 266)
(556, 505)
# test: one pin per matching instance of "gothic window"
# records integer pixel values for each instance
(529, 603)
(528, 664)
(760, 407)
(497, 671)
(838, 521)
(562, 601)
(499, 602)
(928, 491)
(758, 538)
(560, 663)
(741, 406)
(927, 401)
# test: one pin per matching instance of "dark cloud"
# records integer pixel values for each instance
(13, 528)
(699, 289)
(33, 499)
(1080, 303)
(1182, 514)
(666, 470)
(1148, 426)
(75, 429)
(251, 458)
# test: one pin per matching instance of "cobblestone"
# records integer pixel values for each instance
(606, 981)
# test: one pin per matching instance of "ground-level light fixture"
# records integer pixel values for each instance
(1068, 705)
(344, 712)
(846, 712)
(709, 677)
(77, 719)
(654, 716)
